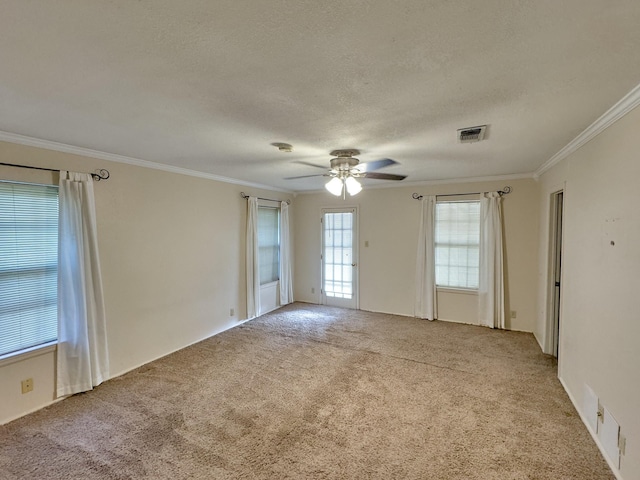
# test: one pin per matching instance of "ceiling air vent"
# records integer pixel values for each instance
(471, 134)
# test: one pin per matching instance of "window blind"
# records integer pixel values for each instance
(28, 265)
(457, 240)
(269, 244)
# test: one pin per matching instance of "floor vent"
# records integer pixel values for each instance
(471, 134)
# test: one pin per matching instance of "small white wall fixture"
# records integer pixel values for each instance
(590, 408)
(609, 434)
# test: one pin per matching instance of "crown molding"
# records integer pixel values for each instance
(630, 101)
(426, 183)
(448, 181)
(113, 157)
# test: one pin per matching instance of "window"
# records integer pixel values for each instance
(28, 265)
(269, 244)
(457, 240)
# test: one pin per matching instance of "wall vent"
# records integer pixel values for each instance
(471, 134)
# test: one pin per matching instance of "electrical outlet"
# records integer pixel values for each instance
(514, 314)
(232, 312)
(313, 290)
(27, 385)
(366, 243)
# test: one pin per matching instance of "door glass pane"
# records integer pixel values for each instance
(338, 254)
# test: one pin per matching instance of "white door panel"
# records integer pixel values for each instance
(339, 258)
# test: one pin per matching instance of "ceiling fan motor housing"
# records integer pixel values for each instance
(343, 163)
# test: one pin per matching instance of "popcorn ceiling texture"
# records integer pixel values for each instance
(209, 85)
(319, 393)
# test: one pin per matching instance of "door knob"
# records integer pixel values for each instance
(353, 264)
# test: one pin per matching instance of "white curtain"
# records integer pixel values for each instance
(491, 291)
(253, 261)
(82, 356)
(286, 284)
(426, 299)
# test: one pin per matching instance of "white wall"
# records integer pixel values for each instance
(600, 326)
(389, 221)
(172, 253)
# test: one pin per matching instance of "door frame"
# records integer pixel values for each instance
(554, 324)
(356, 251)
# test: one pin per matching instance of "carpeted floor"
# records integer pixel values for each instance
(319, 393)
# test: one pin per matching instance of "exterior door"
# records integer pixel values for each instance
(339, 258)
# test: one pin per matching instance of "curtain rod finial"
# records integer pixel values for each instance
(101, 174)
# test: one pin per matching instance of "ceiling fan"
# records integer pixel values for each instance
(345, 170)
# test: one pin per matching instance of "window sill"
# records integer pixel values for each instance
(464, 291)
(21, 355)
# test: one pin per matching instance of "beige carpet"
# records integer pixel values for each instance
(316, 392)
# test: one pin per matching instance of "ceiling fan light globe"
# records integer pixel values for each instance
(334, 186)
(353, 186)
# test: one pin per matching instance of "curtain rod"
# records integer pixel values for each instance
(506, 190)
(102, 174)
(244, 195)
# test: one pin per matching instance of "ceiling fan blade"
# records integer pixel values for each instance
(310, 164)
(375, 165)
(307, 176)
(384, 176)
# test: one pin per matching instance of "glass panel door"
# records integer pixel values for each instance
(339, 258)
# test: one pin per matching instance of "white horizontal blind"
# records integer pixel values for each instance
(28, 265)
(269, 244)
(457, 239)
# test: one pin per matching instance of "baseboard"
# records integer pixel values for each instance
(119, 374)
(539, 343)
(269, 311)
(461, 322)
(239, 322)
(387, 313)
(33, 410)
(593, 434)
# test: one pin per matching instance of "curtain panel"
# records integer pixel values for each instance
(286, 280)
(426, 299)
(82, 356)
(491, 301)
(252, 259)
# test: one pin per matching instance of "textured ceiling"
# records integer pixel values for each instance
(208, 86)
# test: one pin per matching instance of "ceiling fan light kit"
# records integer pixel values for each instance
(346, 169)
(334, 186)
(352, 185)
